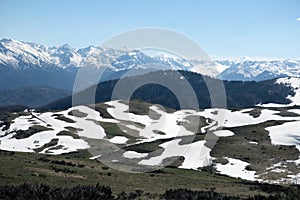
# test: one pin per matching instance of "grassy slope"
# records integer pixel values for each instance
(18, 168)
(260, 156)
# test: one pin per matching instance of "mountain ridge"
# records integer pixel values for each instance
(24, 64)
(239, 94)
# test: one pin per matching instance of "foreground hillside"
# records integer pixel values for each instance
(252, 144)
(74, 176)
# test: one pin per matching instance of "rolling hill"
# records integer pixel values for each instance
(238, 94)
(254, 144)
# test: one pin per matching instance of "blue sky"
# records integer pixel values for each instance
(230, 28)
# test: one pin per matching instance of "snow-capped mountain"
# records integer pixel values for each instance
(23, 55)
(28, 64)
(258, 70)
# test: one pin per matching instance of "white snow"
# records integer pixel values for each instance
(119, 111)
(252, 142)
(95, 157)
(39, 139)
(195, 154)
(240, 118)
(223, 133)
(220, 68)
(253, 68)
(134, 154)
(15, 53)
(285, 134)
(118, 140)
(88, 128)
(278, 170)
(297, 111)
(294, 83)
(69, 145)
(295, 99)
(23, 123)
(236, 168)
(272, 105)
(167, 123)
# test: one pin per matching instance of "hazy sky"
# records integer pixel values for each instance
(263, 28)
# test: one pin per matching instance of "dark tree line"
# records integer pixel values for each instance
(45, 192)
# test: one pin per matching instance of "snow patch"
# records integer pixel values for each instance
(195, 154)
(223, 133)
(118, 140)
(252, 142)
(134, 154)
(236, 168)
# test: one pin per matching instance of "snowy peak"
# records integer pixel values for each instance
(261, 69)
(133, 60)
(18, 54)
(176, 62)
(23, 55)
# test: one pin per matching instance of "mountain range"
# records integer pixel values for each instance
(27, 64)
(258, 70)
(24, 64)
